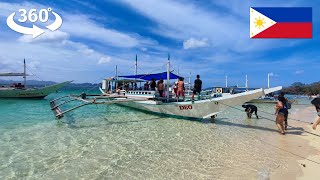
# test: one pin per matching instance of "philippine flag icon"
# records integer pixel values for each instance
(280, 22)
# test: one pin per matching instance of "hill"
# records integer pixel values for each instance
(301, 88)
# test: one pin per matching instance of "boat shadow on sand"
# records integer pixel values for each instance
(70, 121)
(291, 130)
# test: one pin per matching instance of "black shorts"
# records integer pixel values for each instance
(196, 91)
(284, 112)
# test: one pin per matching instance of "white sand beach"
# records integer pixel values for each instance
(305, 145)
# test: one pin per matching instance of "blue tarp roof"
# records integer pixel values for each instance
(156, 76)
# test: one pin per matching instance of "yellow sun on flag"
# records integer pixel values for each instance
(259, 22)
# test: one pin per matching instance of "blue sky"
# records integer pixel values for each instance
(210, 38)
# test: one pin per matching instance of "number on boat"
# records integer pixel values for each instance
(185, 107)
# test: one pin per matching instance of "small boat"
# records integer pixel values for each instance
(21, 91)
(149, 101)
(263, 99)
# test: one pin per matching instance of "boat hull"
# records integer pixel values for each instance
(197, 109)
(31, 93)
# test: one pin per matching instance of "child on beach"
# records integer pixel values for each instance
(316, 103)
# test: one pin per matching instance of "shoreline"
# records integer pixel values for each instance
(305, 145)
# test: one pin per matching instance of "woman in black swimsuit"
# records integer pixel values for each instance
(316, 103)
(281, 112)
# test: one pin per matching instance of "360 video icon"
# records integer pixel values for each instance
(33, 15)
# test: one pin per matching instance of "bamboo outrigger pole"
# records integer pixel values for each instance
(24, 73)
(168, 78)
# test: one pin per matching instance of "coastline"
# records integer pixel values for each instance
(305, 145)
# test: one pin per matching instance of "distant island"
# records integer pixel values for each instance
(36, 83)
(297, 88)
(303, 89)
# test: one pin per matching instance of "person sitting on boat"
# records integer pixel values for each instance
(146, 86)
(160, 87)
(153, 84)
(250, 109)
(197, 87)
(180, 90)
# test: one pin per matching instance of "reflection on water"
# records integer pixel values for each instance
(111, 142)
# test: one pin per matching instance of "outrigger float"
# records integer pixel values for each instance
(207, 105)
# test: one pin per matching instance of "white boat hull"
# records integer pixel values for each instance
(30, 93)
(197, 109)
(266, 100)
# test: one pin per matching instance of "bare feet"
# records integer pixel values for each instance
(314, 126)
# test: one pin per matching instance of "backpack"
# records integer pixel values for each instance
(316, 101)
(288, 104)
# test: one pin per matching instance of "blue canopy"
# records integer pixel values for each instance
(156, 76)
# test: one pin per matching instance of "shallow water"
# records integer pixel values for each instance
(112, 142)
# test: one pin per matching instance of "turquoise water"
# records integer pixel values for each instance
(112, 142)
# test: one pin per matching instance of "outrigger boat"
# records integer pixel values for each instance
(21, 91)
(207, 106)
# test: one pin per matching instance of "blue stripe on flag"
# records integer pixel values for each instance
(287, 14)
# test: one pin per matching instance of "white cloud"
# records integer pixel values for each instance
(81, 26)
(299, 72)
(193, 43)
(271, 74)
(48, 36)
(144, 49)
(104, 60)
(223, 30)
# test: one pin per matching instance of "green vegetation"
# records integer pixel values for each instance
(301, 88)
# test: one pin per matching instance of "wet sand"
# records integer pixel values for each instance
(302, 145)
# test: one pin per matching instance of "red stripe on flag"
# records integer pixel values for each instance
(287, 30)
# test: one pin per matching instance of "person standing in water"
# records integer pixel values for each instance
(281, 111)
(316, 103)
(286, 115)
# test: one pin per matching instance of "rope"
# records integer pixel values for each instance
(273, 120)
(291, 126)
(290, 152)
(287, 118)
(279, 147)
